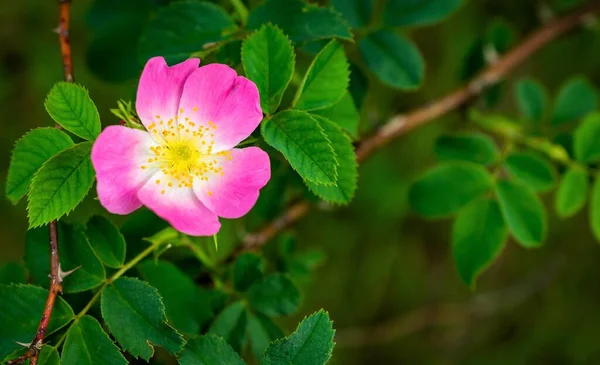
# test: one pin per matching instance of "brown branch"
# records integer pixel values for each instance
(56, 274)
(401, 124)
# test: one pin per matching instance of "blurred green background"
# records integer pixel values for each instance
(389, 281)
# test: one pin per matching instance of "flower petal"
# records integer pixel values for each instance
(117, 156)
(160, 89)
(234, 193)
(178, 206)
(214, 93)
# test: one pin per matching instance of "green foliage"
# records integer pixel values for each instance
(356, 12)
(70, 106)
(572, 192)
(60, 184)
(586, 140)
(523, 212)
(446, 188)
(532, 99)
(594, 214)
(88, 344)
(310, 344)
(471, 147)
(30, 153)
(576, 98)
(532, 170)
(106, 241)
(76, 254)
(135, 315)
(184, 27)
(248, 268)
(301, 21)
(325, 81)
(209, 350)
(20, 310)
(269, 60)
(12, 273)
(343, 114)
(418, 12)
(478, 236)
(394, 59)
(231, 324)
(261, 331)
(48, 356)
(274, 295)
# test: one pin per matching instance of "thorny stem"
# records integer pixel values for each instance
(402, 124)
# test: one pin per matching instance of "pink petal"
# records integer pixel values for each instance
(235, 193)
(178, 206)
(117, 156)
(160, 89)
(214, 93)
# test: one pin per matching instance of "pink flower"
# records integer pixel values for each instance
(185, 167)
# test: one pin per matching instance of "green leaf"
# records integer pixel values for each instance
(48, 356)
(187, 307)
(446, 188)
(302, 22)
(248, 268)
(106, 241)
(262, 331)
(356, 12)
(300, 138)
(478, 236)
(268, 58)
(394, 59)
(532, 170)
(60, 184)
(12, 273)
(587, 139)
(70, 106)
(184, 27)
(473, 147)
(418, 12)
(209, 350)
(20, 310)
(595, 209)
(76, 253)
(343, 114)
(523, 213)
(231, 324)
(311, 343)
(88, 344)
(343, 192)
(274, 295)
(135, 315)
(572, 192)
(37, 255)
(30, 153)
(325, 81)
(576, 98)
(532, 99)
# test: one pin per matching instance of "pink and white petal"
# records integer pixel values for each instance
(215, 93)
(118, 156)
(160, 89)
(234, 193)
(178, 206)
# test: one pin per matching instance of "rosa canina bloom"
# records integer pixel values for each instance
(185, 167)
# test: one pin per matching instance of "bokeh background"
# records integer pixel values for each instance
(388, 279)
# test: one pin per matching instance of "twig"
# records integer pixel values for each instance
(56, 274)
(401, 124)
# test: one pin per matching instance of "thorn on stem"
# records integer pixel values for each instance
(62, 274)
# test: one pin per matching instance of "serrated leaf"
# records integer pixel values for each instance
(231, 324)
(478, 236)
(106, 241)
(572, 192)
(274, 295)
(48, 356)
(12, 273)
(343, 192)
(311, 343)
(60, 184)
(576, 98)
(356, 12)
(418, 12)
(30, 153)
(300, 138)
(394, 59)
(88, 344)
(261, 332)
(532, 170)
(302, 22)
(325, 81)
(248, 268)
(268, 58)
(523, 213)
(343, 114)
(209, 350)
(446, 188)
(594, 216)
(532, 99)
(20, 310)
(182, 28)
(70, 106)
(471, 147)
(587, 139)
(135, 315)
